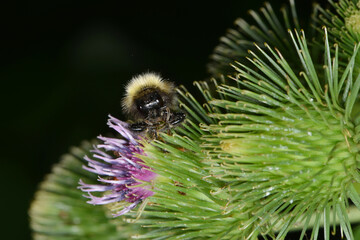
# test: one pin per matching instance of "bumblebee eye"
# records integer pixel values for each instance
(149, 101)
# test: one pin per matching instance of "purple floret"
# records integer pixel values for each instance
(119, 170)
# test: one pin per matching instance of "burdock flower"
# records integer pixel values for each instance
(343, 23)
(273, 148)
(124, 179)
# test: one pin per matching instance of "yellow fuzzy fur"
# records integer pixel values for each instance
(141, 82)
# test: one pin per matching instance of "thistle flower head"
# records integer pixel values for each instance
(288, 142)
(347, 19)
(352, 21)
(265, 27)
(277, 150)
(343, 26)
(124, 179)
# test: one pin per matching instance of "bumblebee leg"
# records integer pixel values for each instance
(152, 133)
(138, 127)
(168, 114)
(177, 118)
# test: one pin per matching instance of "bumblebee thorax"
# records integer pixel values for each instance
(149, 99)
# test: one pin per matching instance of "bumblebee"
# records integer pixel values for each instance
(151, 102)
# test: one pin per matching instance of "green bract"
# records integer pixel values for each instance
(267, 28)
(343, 26)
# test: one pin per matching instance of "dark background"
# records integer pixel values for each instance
(64, 65)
